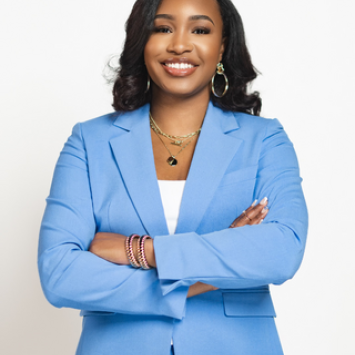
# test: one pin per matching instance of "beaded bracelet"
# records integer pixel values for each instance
(141, 253)
(129, 251)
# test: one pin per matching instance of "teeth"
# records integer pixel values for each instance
(179, 65)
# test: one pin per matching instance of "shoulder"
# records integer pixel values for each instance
(257, 125)
(97, 128)
(106, 125)
(246, 120)
(99, 124)
(268, 131)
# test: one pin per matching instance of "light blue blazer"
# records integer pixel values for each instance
(105, 180)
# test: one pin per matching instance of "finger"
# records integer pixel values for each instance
(236, 223)
(251, 206)
(247, 216)
(263, 213)
(259, 212)
(244, 219)
(260, 217)
(253, 213)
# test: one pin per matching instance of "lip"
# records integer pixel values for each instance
(179, 60)
(176, 71)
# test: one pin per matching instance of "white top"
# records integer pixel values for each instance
(171, 195)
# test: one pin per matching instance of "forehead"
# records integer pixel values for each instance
(186, 8)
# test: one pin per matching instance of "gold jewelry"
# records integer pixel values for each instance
(172, 161)
(177, 140)
(245, 214)
(220, 71)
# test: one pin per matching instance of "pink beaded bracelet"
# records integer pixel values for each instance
(129, 250)
(141, 253)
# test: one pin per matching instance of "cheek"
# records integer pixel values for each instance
(151, 51)
(209, 52)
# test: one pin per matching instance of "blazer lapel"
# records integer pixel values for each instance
(132, 148)
(213, 153)
(133, 152)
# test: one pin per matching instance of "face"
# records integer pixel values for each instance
(182, 53)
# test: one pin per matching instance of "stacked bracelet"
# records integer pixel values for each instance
(129, 251)
(141, 253)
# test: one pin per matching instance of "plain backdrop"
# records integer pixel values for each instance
(52, 57)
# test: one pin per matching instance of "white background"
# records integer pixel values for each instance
(52, 57)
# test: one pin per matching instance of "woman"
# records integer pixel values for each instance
(184, 154)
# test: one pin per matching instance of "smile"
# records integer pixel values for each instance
(179, 69)
(179, 65)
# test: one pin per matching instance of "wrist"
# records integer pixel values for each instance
(140, 251)
(149, 252)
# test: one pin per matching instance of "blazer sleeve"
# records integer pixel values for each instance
(248, 256)
(70, 275)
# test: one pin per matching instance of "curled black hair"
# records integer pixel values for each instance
(130, 83)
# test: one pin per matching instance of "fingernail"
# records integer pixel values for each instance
(254, 203)
(261, 221)
(263, 201)
(264, 210)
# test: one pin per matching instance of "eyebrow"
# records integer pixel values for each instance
(191, 18)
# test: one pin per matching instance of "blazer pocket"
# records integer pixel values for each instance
(239, 175)
(248, 304)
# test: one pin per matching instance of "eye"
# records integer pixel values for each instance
(161, 29)
(202, 31)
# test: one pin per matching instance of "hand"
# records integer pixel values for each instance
(253, 215)
(198, 288)
(111, 247)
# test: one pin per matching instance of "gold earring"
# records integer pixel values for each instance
(220, 71)
(148, 85)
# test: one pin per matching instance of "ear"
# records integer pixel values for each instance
(223, 47)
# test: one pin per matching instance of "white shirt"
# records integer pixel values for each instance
(171, 195)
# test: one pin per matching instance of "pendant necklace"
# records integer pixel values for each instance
(176, 140)
(172, 161)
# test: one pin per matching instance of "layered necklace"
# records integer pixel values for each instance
(176, 140)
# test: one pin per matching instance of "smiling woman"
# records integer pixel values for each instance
(168, 219)
(179, 37)
(210, 27)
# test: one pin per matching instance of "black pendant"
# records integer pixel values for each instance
(172, 161)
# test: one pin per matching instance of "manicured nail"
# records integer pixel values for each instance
(264, 210)
(261, 221)
(254, 203)
(263, 201)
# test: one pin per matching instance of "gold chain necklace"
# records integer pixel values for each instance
(177, 140)
(172, 161)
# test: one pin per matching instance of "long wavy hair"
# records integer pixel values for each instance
(130, 77)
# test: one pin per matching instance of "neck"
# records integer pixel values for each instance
(179, 115)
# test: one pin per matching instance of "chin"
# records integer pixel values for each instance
(182, 91)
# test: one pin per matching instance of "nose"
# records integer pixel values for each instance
(180, 42)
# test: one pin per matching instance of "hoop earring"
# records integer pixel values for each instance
(148, 85)
(220, 71)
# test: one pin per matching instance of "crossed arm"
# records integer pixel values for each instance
(111, 246)
(232, 258)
